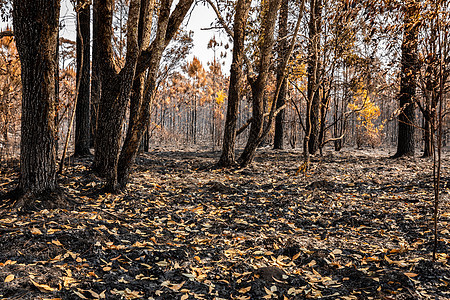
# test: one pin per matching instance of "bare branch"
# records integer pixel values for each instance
(6, 33)
(284, 65)
(221, 19)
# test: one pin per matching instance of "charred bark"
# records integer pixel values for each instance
(83, 109)
(116, 86)
(283, 48)
(36, 31)
(165, 33)
(313, 112)
(95, 78)
(259, 84)
(409, 66)
(227, 158)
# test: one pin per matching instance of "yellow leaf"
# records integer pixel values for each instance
(311, 263)
(52, 231)
(411, 274)
(245, 290)
(43, 287)
(373, 258)
(102, 295)
(296, 255)
(106, 269)
(337, 251)
(269, 292)
(184, 297)
(68, 281)
(35, 231)
(188, 275)
(388, 260)
(9, 262)
(9, 278)
(57, 243)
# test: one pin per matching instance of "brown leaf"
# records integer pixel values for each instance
(245, 290)
(411, 274)
(43, 287)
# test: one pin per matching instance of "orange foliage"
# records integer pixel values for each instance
(367, 114)
(10, 87)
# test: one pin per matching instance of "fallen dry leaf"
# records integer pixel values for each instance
(9, 278)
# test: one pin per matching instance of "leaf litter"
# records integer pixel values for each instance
(358, 226)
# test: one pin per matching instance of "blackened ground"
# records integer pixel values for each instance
(357, 226)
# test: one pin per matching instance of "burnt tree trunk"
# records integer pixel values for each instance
(406, 119)
(168, 24)
(95, 77)
(116, 86)
(259, 84)
(283, 48)
(137, 95)
(36, 31)
(227, 158)
(83, 109)
(313, 111)
(428, 138)
(140, 105)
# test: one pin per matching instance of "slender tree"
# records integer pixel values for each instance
(282, 50)
(311, 142)
(168, 24)
(116, 85)
(258, 83)
(227, 157)
(113, 160)
(144, 34)
(83, 109)
(36, 30)
(430, 73)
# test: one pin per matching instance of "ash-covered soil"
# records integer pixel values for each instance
(358, 225)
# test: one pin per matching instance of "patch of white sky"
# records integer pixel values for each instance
(200, 21)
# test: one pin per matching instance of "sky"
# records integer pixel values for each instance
(201, 17)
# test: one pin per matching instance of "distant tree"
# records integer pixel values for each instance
(195, 71)
(409, 68)
(36, 30)
(432, 51)
(10, 86)
(5, 10)
(367, 132)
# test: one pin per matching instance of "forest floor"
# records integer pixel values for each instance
(357, 226)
